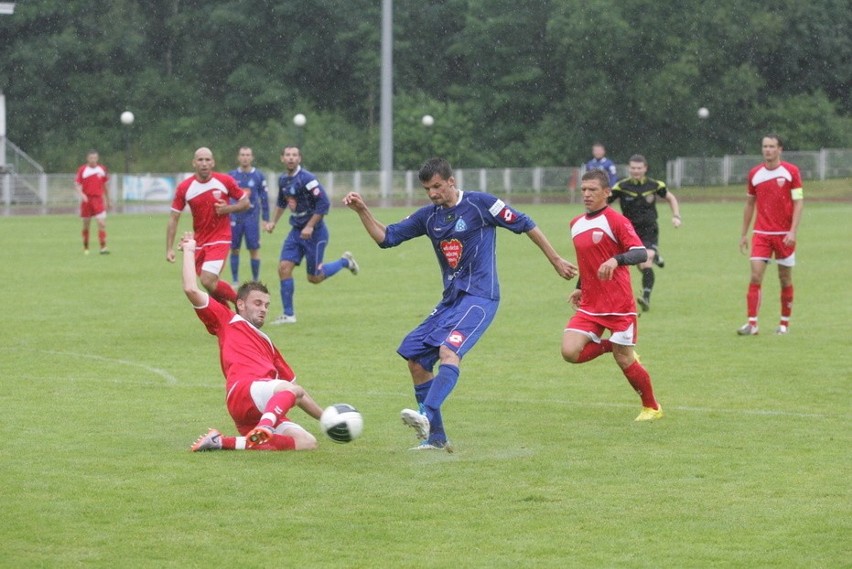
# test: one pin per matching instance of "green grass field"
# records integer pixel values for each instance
(108, 377)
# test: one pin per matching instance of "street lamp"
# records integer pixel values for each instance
(428, 121)
(127, 119)
(703, 115)
(300, 121)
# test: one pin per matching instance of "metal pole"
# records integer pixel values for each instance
(386, 127)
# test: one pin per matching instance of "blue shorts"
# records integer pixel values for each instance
(248, 227)
(457, 325)
(312, 250)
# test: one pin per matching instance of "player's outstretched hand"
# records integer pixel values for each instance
(566, 269)
(354, 201)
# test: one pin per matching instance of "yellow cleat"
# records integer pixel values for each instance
(650, 414)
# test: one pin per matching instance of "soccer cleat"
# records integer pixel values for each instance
(644, 303)
(353, 264)
(284, 319)
(104, 251)
(418, 422)
(211, 440)
(781, 330)
(435, 445)
(258, 436)
(747, 330)
(650, 414)
(86, 251)
(659, 261)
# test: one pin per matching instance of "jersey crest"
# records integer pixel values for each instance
(597, 236)
(460, 225)
(452, 249)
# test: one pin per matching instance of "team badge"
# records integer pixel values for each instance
(781, 182)
(460, 225)
(316, 191)
(455, 339)
(452, 250)
(597, 236)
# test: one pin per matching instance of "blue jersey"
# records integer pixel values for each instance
(255, 182)
(606, 165)
(464, 238)
(309, 194)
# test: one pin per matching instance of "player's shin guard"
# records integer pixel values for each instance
(332, 268)
(647, 283)
(288, 287)
(235, 268)
(594, 349)
(224, 293)
(255, 269)
(640, 380)
(786, 304)
(753, 302)
(421, 390)
(276, 442)
(442, 386)
(276, 408)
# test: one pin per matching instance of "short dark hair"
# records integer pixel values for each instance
(250, 286)
(776, 137)
(598, 175)
(439, 166)
(291, 146)
(92, 151)
(638, 158)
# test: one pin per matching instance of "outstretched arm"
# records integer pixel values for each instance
(565, 269)
(356, 203)
(670, 197)
(190, 283)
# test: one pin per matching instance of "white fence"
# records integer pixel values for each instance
(28, 189)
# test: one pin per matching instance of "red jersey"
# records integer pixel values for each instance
(774, 190)
(245, 352)
(92, 179)
(209, 226)
(597, 238)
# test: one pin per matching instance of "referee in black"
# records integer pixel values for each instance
(638, 195)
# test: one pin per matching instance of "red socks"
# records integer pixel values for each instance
(786, 304)
(753, 301)
(593, 349)
(640, 380)
(224, 293)
(85, 238)
(276, 442)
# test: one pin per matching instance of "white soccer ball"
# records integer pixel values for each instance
(703, 113)
(300, 120)
(342, 423)
(127, 118)
(428, 120)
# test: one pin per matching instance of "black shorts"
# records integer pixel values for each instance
(649, 234)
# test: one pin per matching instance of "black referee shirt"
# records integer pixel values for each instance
(638, 199)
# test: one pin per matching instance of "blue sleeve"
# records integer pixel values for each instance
(412, 226)
(281, 202)
(320, 198)
(503, 215)
(263, 194)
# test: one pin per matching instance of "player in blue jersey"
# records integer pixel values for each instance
(247, 224)
(599, 161)
(300, 192)
(462, 228)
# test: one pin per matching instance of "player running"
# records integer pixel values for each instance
(462, 228)
(606, 244)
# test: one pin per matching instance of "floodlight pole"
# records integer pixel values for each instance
(386, 118)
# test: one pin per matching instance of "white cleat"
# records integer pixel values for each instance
(434, 445)
(418, 422)
(747, 330)
(284, 319)
(781, 330)
(211, 440)
(353, 264)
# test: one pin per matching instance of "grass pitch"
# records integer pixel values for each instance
(108, 377)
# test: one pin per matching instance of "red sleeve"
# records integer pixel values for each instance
(179, 202)
(797, 177)
(214, 316)
(106, 173)
(79, 178)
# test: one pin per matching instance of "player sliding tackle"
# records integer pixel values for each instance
(462, 228)
(261, 388)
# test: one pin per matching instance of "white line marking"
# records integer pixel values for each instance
(170, 379)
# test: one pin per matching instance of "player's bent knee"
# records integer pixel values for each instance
(316, 279)
(305, 441)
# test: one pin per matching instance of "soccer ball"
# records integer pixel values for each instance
(341, 422)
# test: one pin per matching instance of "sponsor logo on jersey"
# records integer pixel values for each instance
(452, 249)
(597, 236)
(455, 338)
(460, 225)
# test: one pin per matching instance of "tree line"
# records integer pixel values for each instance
(509, 82)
